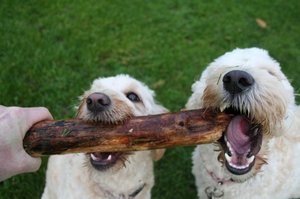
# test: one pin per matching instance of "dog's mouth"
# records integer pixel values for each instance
(105, 160)
(99, 107)
(241, 142)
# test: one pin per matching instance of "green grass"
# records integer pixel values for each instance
(50, 51)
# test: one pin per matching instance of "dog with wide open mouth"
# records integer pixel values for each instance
(109, 175)
(257, 154)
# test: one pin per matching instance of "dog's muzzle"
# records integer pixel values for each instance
(97, 103)
(243, 138)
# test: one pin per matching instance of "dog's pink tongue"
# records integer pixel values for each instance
(236, 134)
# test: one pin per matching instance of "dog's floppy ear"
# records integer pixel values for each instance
(157, 154)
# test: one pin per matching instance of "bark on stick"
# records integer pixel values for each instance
(137, 133)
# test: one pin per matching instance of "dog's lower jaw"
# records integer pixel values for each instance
(103, 161)
(227, 175)
(213, 166)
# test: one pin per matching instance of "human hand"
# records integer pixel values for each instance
(14, 123)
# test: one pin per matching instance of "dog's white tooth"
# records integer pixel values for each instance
(232, 165)
(93, 157)
(251, 159)
(222, 108)
(228, 158)
(238, 167)
(109, 157)
(229, 146)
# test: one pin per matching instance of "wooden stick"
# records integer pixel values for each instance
(138, 133)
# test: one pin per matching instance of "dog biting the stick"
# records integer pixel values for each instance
(109, 175)
(257, 156)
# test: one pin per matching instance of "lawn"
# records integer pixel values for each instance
(50, 51)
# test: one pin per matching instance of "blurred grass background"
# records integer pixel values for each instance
(50, 51)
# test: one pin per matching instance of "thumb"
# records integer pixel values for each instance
(34, 115)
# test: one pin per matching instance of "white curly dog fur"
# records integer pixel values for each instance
(113, 175)
(258, 155)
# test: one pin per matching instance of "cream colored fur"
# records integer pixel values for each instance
(276, 174)
(73, 177)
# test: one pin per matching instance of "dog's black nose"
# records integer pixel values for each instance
(237, 81)
(97, 102)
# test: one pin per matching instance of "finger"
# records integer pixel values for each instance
(32, 164)
(36, 114)
(28, 163)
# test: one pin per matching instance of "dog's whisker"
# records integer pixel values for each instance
(219, 79)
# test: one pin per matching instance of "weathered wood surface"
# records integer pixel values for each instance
(138, 133)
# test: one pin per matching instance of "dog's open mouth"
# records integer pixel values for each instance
(105, 160)
(241, 143)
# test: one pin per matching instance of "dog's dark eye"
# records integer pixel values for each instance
(271, 73)
(133, 97)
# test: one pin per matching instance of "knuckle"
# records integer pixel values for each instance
(16, 112)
